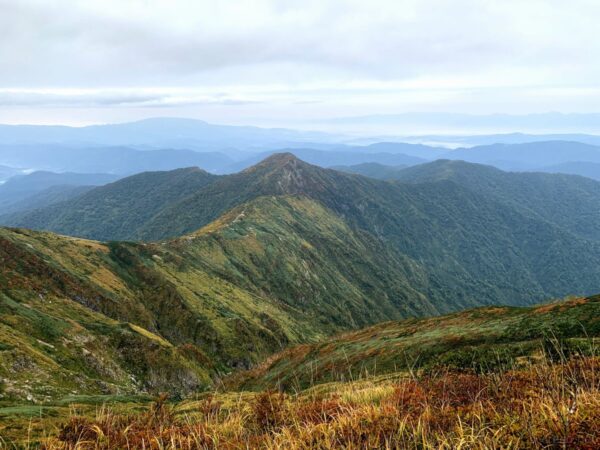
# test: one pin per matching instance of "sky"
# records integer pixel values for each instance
(286, 63)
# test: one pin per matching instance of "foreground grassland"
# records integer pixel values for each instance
(546, 405)
(485, 378)
(482, 339)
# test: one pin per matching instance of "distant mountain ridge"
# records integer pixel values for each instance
(113, 160)
(171, 143)
(159, 132)
(529, 155)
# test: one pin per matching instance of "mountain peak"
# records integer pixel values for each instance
(285, 173)
(278, 160)
(279, 163)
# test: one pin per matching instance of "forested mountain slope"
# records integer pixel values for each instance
(116, 210)
(465, 235)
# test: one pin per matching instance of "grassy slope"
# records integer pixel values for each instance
(53, 339)
(482, 338)
(275, 271)
(537, 402)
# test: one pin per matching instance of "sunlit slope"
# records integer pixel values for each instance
(172, 315)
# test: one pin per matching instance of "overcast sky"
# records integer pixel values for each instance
(271, 62)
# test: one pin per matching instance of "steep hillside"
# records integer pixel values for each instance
(55, 340)
(482, 339)
(273, 271)
(474, 248)
(79, 317)
(147, 317)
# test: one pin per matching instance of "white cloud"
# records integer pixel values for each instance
(341, 55)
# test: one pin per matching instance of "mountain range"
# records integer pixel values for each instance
(170, 143)
(161, 132)
(436, 217)
(230, 269)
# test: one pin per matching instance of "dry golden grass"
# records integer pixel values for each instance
(544, 406)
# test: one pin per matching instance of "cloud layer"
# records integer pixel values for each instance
(346, 55)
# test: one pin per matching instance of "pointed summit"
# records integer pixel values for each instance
(277, 161)
(285, 173)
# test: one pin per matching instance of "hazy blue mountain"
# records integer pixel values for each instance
(507, 138)
(418, 150)
(373, 170)
(22, 187)
(457, 123)
(582, 168)
(7, 172)
(528, 156)
(116, 160)
(373, 146)
(42, 199)
(159, 133)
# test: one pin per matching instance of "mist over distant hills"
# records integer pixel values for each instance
(167, 144)
(454, 124)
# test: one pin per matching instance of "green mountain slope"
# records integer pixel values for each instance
(473, 248)
(461, 241)
(83, 317)
(571, 202)
(117, 210)
(373, 170)
(279, 254)
(22, 187)
(42, 199)
(481, 339)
